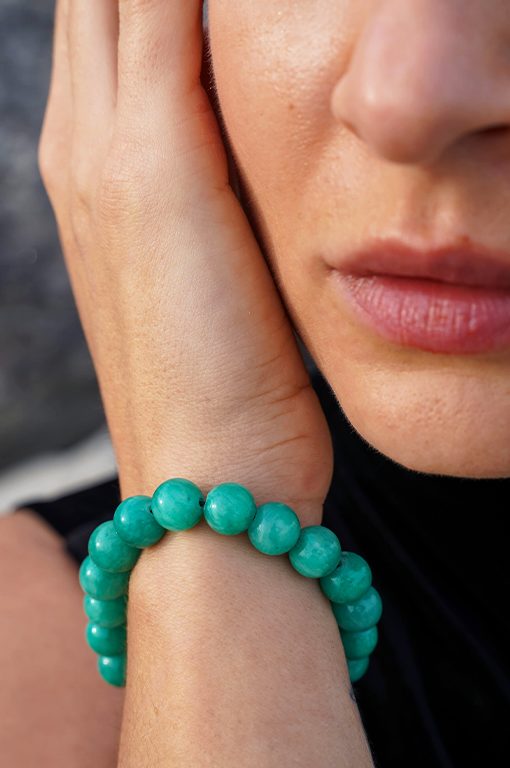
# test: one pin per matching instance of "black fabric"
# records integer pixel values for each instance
(437, 691)
(76, 515)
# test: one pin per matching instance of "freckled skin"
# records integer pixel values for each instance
(352, 119)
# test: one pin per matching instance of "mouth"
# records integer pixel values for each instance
(447, 300)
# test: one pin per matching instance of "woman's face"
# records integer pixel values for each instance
(357, 122)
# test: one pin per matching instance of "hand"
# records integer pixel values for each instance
(196, 360)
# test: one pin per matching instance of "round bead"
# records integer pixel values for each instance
(177, 504)
(113, 669)
(357, 645)
(109, 552)
(135, 523)
(99, 583)
(349, 581)
(229, 509)
(275, 528)
(317, 551)
(105, 641)
(357, 668)
(361, 614)
(106, 613)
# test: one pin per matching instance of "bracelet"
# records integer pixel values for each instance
(229, 508)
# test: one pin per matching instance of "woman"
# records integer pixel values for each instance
(371, 146)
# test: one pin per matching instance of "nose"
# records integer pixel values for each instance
(424, 75)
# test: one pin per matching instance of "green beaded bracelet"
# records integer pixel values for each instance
(229, 508)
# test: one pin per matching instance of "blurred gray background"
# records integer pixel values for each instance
(52, 435)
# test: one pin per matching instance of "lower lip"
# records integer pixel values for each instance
(428, 314)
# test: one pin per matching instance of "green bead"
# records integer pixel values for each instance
(109, 552)
(106, 613)
(101, 584)
(317, 551)
(106, 641)
(113, 669)
(357, 668)
(349, 581)
(275, 528)
(135, 523)
(177, 504)
(361, 614)
(229, 509)
(357, 645)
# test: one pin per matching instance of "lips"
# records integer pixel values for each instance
(447, 300)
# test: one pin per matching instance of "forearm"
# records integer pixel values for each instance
(234, 659)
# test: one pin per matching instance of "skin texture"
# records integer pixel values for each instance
(240, 684)
(377, 128)
(191, 344)
(194, 351)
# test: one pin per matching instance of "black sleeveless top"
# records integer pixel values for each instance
(437, 691)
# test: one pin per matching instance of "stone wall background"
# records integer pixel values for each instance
(48, 393)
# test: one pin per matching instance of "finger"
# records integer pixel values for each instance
(55, 143)
(55, 146)
(93, 35)
(160, 54)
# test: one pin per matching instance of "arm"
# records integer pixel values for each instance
(234, 660)
(201, 378)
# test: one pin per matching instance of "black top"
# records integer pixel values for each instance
(437, 691)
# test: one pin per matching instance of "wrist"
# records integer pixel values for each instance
(267, 479)
(279, 452)
(253, 663)
(198, 565)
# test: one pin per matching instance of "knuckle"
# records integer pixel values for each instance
(48, 163)
(44, 162)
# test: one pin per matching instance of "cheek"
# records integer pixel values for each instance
(276, 65)
(274, 86)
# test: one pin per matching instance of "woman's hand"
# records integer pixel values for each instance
(201, 377)
(198, 367)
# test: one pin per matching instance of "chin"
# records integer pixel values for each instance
(436, 422)
(473, 459)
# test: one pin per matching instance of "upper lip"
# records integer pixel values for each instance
(472, 264)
